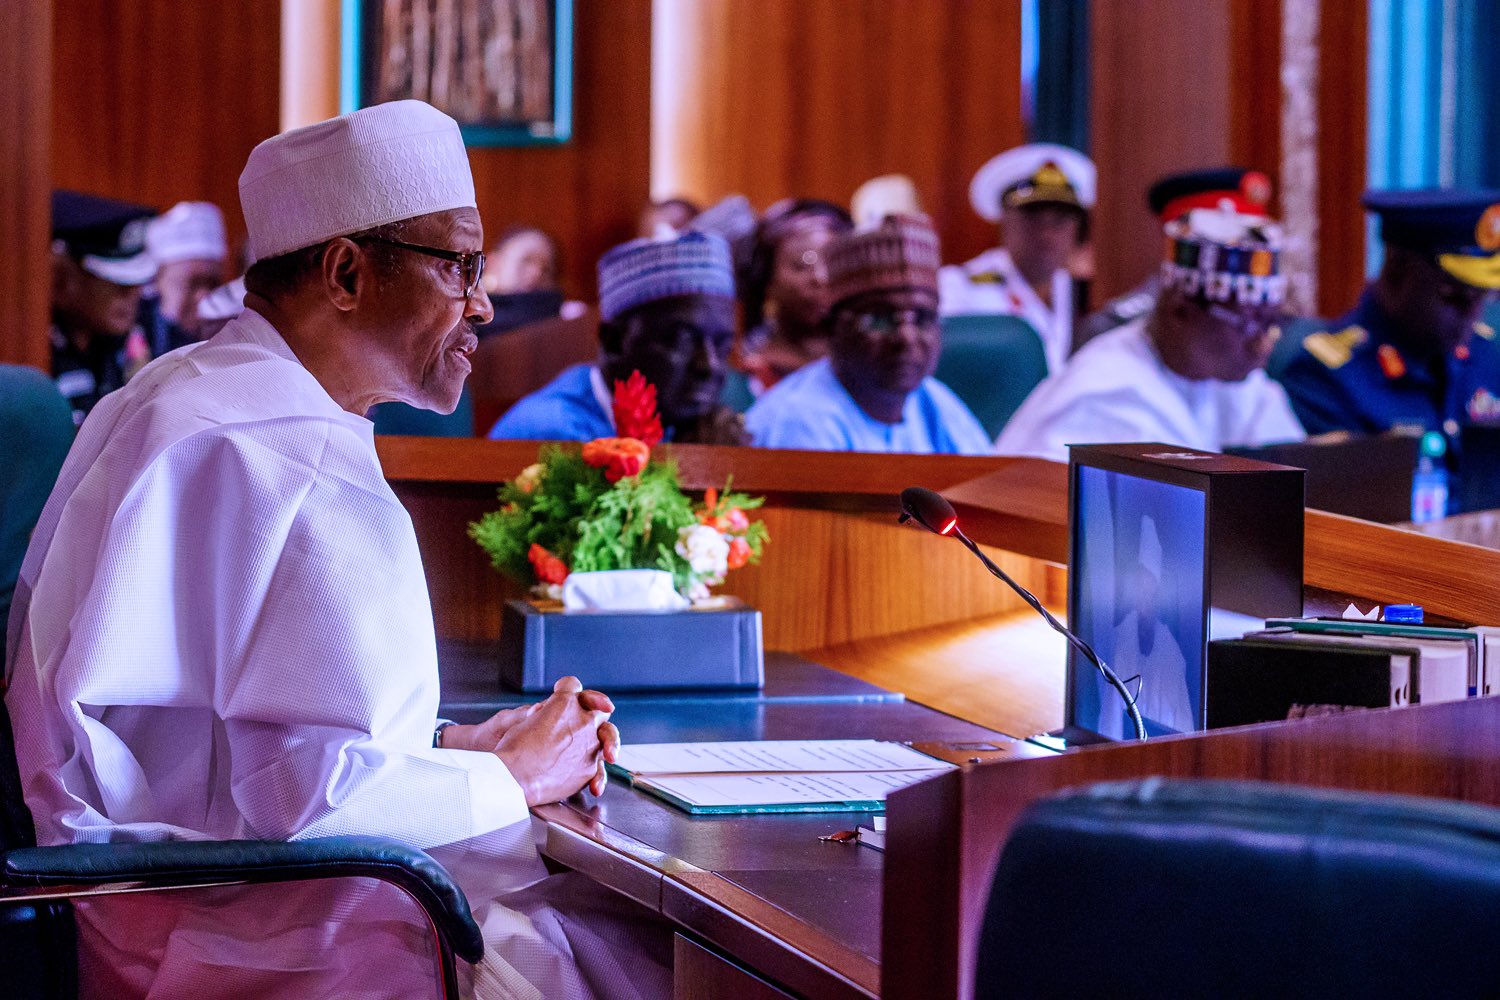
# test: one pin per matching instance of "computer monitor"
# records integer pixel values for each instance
(1171, 548)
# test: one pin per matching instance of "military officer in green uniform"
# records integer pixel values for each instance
(1414, 351)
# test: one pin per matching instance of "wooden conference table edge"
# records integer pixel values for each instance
(1015, 504)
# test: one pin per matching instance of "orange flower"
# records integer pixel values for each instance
(635, 410)
(618, 456)
(739, 553)
(547, 567)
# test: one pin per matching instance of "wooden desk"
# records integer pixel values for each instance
(841, 580)
(803, 913)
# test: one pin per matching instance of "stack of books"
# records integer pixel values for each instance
(1298, 667)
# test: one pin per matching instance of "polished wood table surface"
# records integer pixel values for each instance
(763, 889)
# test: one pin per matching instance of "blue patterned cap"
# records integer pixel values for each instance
(642, 271)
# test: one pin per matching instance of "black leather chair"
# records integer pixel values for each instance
(1238, 889)
(38, 957)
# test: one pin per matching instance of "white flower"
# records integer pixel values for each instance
(697, 591)
(530, 478)
(705, 549)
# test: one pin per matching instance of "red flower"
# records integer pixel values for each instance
(547, 567)
(618, 457)
(739, 552)
(635, 410)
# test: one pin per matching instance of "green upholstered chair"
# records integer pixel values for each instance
(38, 431)
(992, 363)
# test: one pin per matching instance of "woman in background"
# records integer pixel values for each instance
(785, 291)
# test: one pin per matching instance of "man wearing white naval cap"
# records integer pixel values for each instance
(188, 244)
(222, 628)
(1039, 194)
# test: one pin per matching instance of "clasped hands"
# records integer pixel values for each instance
(552, 748)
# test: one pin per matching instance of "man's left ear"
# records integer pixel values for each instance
(344, 273)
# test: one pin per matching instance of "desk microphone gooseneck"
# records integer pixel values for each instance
(937, 515)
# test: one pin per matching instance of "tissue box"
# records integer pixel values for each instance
(713, 648)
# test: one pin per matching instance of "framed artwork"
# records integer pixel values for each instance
(502, 68)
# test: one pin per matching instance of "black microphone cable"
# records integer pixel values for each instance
(933, 511)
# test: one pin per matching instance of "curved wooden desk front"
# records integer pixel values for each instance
(839, 570)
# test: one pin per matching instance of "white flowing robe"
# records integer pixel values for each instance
(222, 630)
(1117, 389)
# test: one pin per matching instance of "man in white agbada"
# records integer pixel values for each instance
(222, 627)
(1040, 195)
(1189, 372)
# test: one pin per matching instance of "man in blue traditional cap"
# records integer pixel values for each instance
(667, 310)
(99, 265)
(1413, 352)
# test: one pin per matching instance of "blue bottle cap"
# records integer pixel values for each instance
(1403, 614)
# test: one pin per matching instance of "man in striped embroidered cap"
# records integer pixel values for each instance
(667, 310)
(1189, 372)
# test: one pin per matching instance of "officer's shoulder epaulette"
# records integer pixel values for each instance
(1335, 349)
(986, 278)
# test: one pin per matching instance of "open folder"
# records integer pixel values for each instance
(774, 775)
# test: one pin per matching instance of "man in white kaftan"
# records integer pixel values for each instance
(222, 628)
(1118, 388)
(1190, 372)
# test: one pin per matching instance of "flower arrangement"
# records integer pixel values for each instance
(610, 505)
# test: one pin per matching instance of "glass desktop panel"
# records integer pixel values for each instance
(1139, 592)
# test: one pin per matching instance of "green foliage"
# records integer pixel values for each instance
(570, 509)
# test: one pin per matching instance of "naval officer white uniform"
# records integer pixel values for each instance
(1043, 192)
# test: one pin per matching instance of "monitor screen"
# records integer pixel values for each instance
(1138, 589)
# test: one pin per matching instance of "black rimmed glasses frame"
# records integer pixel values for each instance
(470, 264)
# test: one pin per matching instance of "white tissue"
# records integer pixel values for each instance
(622, 590)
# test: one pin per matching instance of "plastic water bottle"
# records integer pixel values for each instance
(1429, 487)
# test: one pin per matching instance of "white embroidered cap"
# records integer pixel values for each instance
(190, 230)
(351, 173)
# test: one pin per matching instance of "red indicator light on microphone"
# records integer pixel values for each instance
(947, 529)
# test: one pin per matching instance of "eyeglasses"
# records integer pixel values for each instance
(884, 322)
(470, 265)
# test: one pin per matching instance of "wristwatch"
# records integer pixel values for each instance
(437, 734)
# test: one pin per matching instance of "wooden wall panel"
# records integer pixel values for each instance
(160, 101)
(1178, 84)
(813, 97)
(1343, 107)
(587, 192)
(1159, 93)
(25, 142)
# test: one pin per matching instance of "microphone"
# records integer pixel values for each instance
(933, 512)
